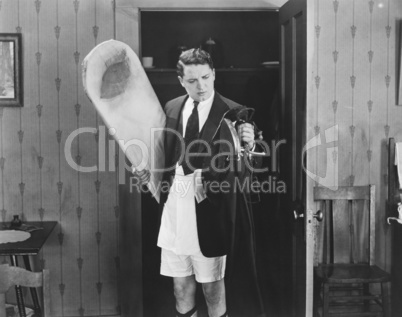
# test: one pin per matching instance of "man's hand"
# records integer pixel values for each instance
(144, 176)
(246, 134)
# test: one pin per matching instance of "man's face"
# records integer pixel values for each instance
(198, 81)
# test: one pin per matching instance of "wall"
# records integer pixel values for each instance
(36, 180)
(352, 85)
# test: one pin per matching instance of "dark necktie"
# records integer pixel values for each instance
(192, 131)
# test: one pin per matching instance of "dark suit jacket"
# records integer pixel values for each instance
(215, 215)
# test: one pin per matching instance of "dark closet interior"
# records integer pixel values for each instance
(245, 48)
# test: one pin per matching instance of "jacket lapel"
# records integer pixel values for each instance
(218, 109)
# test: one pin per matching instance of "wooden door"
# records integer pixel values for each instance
(130, 261)
(292, 19)
(396, 270)
(392, 211)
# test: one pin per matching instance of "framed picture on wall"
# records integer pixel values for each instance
(11, 73)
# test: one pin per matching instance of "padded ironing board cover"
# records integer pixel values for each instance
(118, 87)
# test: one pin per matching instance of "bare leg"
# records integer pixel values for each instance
(214, 293)
(184, 292)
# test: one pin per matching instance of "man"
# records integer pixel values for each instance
(199, 226)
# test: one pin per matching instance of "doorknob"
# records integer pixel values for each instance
(298, 209)
(298, 215)
(318, 215)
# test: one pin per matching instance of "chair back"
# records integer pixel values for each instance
(11, 276)
(347, 233)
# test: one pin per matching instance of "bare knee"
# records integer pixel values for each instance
(184, 289)
(215, 297)
(184, 292)
(212, 293)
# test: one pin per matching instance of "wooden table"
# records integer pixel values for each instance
(31, 246)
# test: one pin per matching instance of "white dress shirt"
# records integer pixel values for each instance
(178, 231)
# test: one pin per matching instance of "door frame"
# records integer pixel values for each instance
(310, 183)
(306, 7)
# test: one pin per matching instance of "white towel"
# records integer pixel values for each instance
(398, 161)
(10, 236)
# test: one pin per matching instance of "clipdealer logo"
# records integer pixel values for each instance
(325, 143)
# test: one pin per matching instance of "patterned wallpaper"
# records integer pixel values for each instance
(36, 181)
(353, 86)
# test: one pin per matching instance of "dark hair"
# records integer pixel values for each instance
(193, 56)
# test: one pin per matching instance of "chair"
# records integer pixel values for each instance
(11, 276)
(346, 267)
